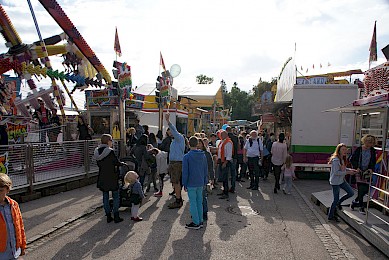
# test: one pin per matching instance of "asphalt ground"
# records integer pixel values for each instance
(252, 225)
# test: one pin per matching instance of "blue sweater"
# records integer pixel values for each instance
(177, 146)
(194, 169)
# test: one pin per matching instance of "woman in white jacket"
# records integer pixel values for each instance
(162, 168)
(338, 172)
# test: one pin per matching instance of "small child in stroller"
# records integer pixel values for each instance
(131, 194)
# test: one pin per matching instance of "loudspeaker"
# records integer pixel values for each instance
(385, 50)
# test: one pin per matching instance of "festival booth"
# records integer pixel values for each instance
(372, 112)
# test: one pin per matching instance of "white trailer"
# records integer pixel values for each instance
(315, 134)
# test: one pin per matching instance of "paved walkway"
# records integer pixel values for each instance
(252, 225)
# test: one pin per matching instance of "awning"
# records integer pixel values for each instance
(351, 108)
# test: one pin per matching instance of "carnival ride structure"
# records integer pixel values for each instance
(82, 67)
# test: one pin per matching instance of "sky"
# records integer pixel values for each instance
(238, 41)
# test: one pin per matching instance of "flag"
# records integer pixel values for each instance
(329, 64)
(116, 46)
(313, 66)
(373, 45)
(306, 71)
(301, 68)
(321, 66)
(161, 62)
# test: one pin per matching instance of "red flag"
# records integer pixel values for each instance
(116, 47)
(373, 45)
(161, 62)
(313, 66)
(301, 68)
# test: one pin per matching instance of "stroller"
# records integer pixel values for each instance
(125, 193)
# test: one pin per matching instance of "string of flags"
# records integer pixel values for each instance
(313, 67)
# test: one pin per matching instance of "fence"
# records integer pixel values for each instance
(37, 165)
(381, 180)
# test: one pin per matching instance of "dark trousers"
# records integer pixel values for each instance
(363, 189)
(243, 167)
(277, 175)
(224, 173)
(254, 171)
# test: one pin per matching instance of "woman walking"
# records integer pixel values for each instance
(337, 181)
(279, 150)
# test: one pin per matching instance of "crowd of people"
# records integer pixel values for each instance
(196, 165)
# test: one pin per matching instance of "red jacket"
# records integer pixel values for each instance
(18, 224)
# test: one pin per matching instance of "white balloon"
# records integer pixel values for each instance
(175, 70)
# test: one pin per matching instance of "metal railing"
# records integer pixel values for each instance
(385, 202)
(34, 165)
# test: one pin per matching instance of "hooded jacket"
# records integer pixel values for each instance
(194, 169)
(108, 178)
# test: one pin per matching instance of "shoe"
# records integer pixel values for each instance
(225, 196)
(175, 205)
(156, 190)
(192, 226)
(116, 218)
(205, 217)
(283, 190)
(275, 190)
(362, 211)
(172, 193)
(231, 190)
(250, 187)
(158, 194)
(339, 207)
(335, 219)
(201, 224)
(109, 218)
(254, 188)
(137, 219)
(265, 178)
(352, 206)
(288, 193)
(220, 194)
(148, 189)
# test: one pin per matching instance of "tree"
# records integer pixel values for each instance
(203, 79)
(240, 102)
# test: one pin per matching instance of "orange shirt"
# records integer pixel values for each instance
(18, 224)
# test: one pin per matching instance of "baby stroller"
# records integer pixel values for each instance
(125, 193)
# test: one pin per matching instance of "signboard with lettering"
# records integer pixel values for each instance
(108, 98)
(313, 80)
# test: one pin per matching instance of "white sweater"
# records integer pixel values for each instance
(162, 166)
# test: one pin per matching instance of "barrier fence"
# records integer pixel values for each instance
(35, 165)
(382, 199)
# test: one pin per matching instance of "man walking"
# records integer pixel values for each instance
(224, 155)
(252, 155)
(176, 155)
(234, 160)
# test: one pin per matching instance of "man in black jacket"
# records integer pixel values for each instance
(234, 161)
(108, 178)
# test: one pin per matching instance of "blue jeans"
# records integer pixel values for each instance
(116, 202)
(335, 190)
(195, 195)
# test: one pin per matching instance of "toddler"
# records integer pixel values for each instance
(132, 183)
(289, 175)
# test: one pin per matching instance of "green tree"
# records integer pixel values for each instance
(240, 102)
(262, 86)
(203, 79)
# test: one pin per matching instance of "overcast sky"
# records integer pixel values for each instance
(238, 41)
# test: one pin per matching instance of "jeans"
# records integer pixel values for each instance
(116, 202)
(335, 190)
(253, 171)
(363, 189)
(233, 172)
(195, 195)
(205, 201)
(288, 183)
(224, 174)
(277, 175)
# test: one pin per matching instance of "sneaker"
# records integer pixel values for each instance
(339, 207)
(148, 189)
(158, 194)
(137, 219)
(172, 193)
(231, 190)
(334, 219)
(288, 193)
(283, 190)
(275, 190)
(192, 226)
(220, 194)
(352, 206)
(156, 190)
(175, 205)
(201, 224)
(250, 187)
(362, 211)
(254, 188)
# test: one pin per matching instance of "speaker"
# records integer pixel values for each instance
(385, 50)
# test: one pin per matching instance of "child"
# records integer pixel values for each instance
(11, 222)
(162, 168)
(152, 162)
(194, 178)
(132, 183)
(289, 175)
